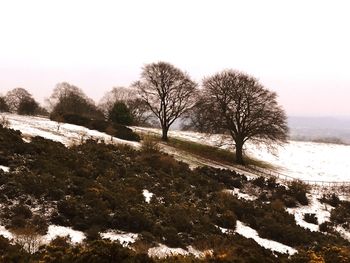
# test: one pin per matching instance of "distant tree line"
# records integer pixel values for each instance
(20, 101)
(229, 102)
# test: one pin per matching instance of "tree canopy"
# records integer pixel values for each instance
(69, 99)
(167, 91)
(237, 104)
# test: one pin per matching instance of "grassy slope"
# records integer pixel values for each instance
(210, 152)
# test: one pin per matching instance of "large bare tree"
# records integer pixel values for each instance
(240, 106)
(167, 91)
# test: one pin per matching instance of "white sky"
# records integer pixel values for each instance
(298, 48)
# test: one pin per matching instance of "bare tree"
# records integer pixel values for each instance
(14, 97)
(167, 91)
(28, 238)
(244, 109)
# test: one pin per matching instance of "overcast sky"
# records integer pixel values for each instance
(300, 49)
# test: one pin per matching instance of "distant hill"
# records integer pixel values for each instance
(333, 129)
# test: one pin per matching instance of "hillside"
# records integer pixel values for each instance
(98, 189)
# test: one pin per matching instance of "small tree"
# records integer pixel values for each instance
(120, 114)
(167, 92)
(28, 238)
(243, 108)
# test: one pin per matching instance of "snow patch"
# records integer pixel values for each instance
(322, 212)
(62, 231)
(125, 239)
(5, 168)
(343, 232)
(52, 232)
(225, 230)
(236, 192)
(248, 232)
(148, 195)
(199, 254)
(163, 251)
(5, 233)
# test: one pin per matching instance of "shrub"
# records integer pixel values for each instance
(150, 145)
(271, 183)
(298, 190)
(332, 200)
(120, 114)
(28, 238)
(124, 132)
(311, 218)
(93, 233)
(227, 220)
(289, 201)
(12, 253)
(325, 227)
(341, 214)
(22, 211)
(74, 119)
(260, 181)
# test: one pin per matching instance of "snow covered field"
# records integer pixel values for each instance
(309, 160)
(301, 160)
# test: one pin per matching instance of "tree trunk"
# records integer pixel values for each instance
(165, 133)
(239, 152)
